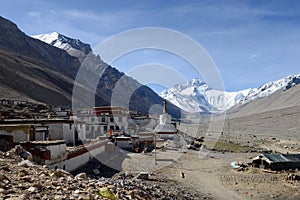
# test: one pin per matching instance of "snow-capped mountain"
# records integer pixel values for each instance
(142, 99)
(271, 87)
(74, 47)
(197, 96)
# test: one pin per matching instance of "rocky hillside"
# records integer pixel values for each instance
(34, 70)
(24, 180)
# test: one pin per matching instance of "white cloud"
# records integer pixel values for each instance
(253, 55)
(107, 20)
(35, 14)
(82, 14)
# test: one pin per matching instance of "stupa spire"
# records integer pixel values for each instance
(165, 106)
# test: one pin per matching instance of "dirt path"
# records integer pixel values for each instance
(201, 175)
(213, 177)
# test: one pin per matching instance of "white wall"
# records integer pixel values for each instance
(40, 136)
(19, 135)
(164, 119)
(57, 151)
(69, 133)
(56, 131)
(62, 132)
(119, 120)
(76, 162)
(81, 128)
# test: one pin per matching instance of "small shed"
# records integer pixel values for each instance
(124, 142)
(277, 161)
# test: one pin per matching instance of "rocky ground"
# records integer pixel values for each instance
(21, 180)
(208, 177)
(214, 175)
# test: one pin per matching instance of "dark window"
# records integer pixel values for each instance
(117, 128)
(103, 119)
(105, 128)
(111, 119)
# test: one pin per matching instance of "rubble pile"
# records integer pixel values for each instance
(292, 177)
(27, 181)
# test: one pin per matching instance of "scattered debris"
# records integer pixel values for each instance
(39, 182)
(25, 163)
(143, 175)
(269, 171)
(192, 147)
(81, 176)
(239, 166)
(293, 177)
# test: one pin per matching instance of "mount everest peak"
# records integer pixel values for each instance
(196, 96)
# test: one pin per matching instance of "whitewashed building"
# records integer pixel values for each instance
(101, 120)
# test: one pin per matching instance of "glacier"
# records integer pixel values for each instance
(195, 96)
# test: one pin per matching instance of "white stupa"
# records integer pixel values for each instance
(165, 126)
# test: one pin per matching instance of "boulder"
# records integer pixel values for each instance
(81, 176)
(25, 163)
(61, 173)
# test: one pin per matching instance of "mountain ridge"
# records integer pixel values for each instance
(74, 47)
(196, 96)
(36, 70)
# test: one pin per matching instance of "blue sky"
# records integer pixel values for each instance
(251, 42)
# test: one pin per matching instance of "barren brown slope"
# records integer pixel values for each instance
(31, 67)
(277, 114)
(33, 70)
(23, 78)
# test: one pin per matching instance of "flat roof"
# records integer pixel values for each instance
(123, 138)
(280, 158)
(36, 121)
(46, 142)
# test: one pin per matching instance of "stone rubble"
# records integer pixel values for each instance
(22, 182)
